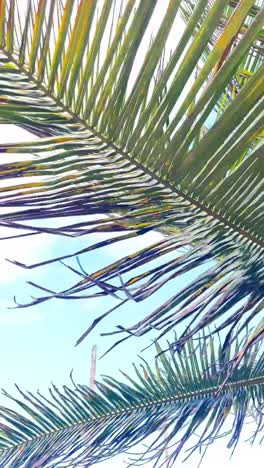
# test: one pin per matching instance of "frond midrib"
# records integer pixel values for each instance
(168, 185)
(198, 394)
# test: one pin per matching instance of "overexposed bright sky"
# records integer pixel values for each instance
(38, 343)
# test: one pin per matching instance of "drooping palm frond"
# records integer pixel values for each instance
(184, 394)
(123, 134)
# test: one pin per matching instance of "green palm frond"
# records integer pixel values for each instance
(185, 394)
(135, 142)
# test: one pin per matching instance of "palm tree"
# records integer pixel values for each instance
(77, 426)
(146, 138)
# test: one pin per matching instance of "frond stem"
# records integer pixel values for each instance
(227, 223)
(199, 394)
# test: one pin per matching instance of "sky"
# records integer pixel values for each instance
(37, 344)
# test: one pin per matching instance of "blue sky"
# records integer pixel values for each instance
(37, 344)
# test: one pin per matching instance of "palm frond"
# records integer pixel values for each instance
(136, 143)
(183, 394)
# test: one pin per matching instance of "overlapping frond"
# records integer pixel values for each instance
(184, 394)
(123, 133)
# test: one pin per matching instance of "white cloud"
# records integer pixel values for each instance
(27, 249)
(126, 247)
(12, 133)
(17, 317)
